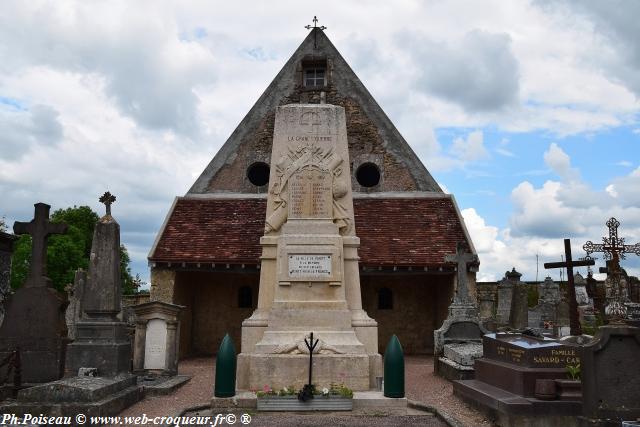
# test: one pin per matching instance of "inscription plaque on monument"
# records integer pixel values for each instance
(156, 344)
(310, 195)
(311, 266)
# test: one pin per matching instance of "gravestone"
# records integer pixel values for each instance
(74, 309)
(611, 374)
(34, 321)
(508, 373)
(309, 276)
(545, 312)
(512, 301)
(156, 340)
(457, 343)
(101, 347)
(6, 250)
(102, 341)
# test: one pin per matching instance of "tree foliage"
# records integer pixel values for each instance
(66, 252)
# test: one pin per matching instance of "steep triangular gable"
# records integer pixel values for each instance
(372, 136)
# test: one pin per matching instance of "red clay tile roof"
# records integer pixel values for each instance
(392, 231)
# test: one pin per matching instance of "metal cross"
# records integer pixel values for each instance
(39, 228)
(462, 258)
(569, 263)
(307, 391)
(613, 244)
(107, 198)
(315, 21)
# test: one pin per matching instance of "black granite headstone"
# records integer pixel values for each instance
(34, 321)
(611, 374)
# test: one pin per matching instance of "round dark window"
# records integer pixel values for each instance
(258, 174)
(368, 175)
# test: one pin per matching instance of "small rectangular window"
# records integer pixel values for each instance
(314, 77)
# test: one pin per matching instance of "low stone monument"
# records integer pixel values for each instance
(509, 375)
(546, 312)
(309, 277)
(101, 338)
(34, 322)
(157, 339)
(611, 375)
(6, 250)
(74, 309)
(98, 365)
(458, 342)
(512, 301)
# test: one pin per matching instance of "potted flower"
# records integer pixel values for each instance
(333, 398)
(571, 388)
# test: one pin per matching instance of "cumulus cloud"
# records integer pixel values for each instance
(20, 129)
(480, 73)
(149, 71)
(470, 149)
(617, 22)
(560, 163)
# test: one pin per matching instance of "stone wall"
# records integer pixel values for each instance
(212, 309)
(420, 304)
(162, 284)
(365, 145)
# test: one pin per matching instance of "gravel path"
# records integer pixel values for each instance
(421, 386)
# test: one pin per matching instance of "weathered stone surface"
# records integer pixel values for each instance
(611, 373)
(464, 354)
(102, 340)
(34, 321)
(156, 346)
(6, 250)
(309, 279)
(74, 309)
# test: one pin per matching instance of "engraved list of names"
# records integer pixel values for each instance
(310, 195)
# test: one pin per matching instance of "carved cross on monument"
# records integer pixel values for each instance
(569, 263)
(107, 198)
(462, 258)
(614, 250)
(307, 391)
(39, 228)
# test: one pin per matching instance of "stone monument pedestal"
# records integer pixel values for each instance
(103, 345)
(309, 276)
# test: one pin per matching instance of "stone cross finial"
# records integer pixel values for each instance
(462, 258)
(108, 198)
(39, 228)
(315, 21)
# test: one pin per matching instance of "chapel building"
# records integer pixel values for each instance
(206, 256)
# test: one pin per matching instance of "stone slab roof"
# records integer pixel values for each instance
(393, 231)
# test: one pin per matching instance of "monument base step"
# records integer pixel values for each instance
(370, 402)
(451, 370)
(163, 385)
(514, 410)
(356, 371)
(520, 380)
(110, 405)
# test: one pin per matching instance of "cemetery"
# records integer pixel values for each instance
(326, 317)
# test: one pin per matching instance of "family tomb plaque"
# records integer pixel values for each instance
(528, 351)
(309, 266)
(310, 195)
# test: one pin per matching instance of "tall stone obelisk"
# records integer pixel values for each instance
(309, 280)
(101, 338)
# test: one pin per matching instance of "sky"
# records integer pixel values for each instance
(528, 112)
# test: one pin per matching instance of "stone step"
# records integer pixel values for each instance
(108, 406)
(77, 389)
(486, 396)
(516, 379)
